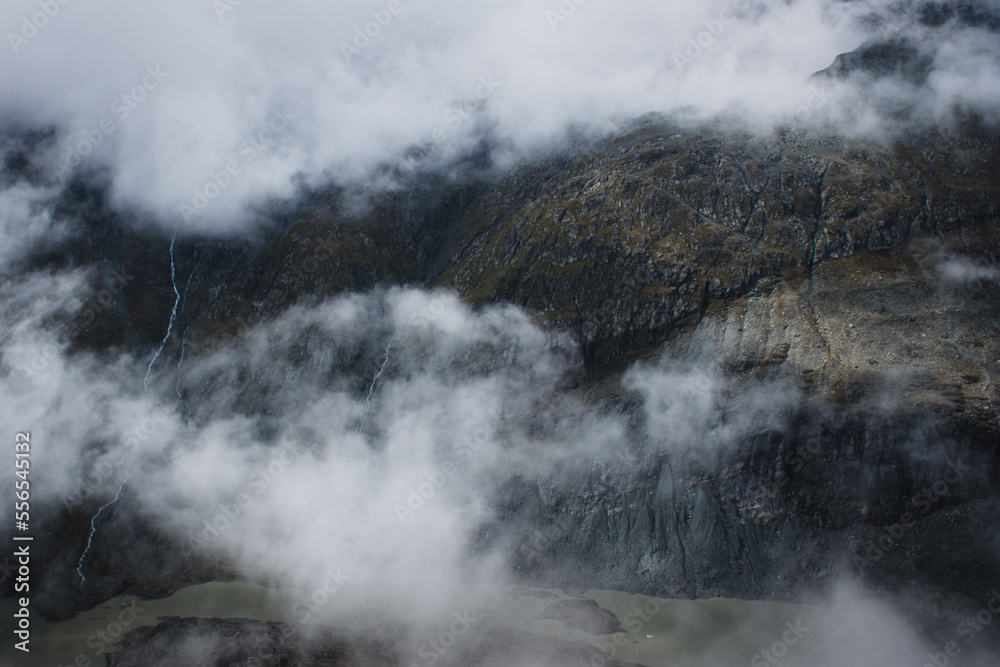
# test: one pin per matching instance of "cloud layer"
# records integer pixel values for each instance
(213, 105)
(358, 447)
(396, 414)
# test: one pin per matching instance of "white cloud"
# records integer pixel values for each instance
(224, 77)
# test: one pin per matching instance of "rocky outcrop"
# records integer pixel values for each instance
(584, 615)
(640, 236)
(852, 274)
(190, 641)
(839, 269)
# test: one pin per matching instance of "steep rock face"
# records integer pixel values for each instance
(836, 269)
(629, 240)
(823, 265)
(331, 249)
(302, 254)
(775, 517)
(893, 58)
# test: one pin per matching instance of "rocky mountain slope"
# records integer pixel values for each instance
(858, 276)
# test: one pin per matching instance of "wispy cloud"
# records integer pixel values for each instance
(606, 61)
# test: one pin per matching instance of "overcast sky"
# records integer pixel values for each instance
(278, 90)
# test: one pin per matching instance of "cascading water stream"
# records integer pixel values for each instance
(145, 386)
(371, 388)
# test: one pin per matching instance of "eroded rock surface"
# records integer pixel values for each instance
(221, 642)
(857, 279)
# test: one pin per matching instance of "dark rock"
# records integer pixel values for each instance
(810, 261)
(584, 615)
(195, 642)
(895, 59)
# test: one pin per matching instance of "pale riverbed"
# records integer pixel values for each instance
(658, 632)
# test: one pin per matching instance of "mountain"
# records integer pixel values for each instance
(841, 292)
